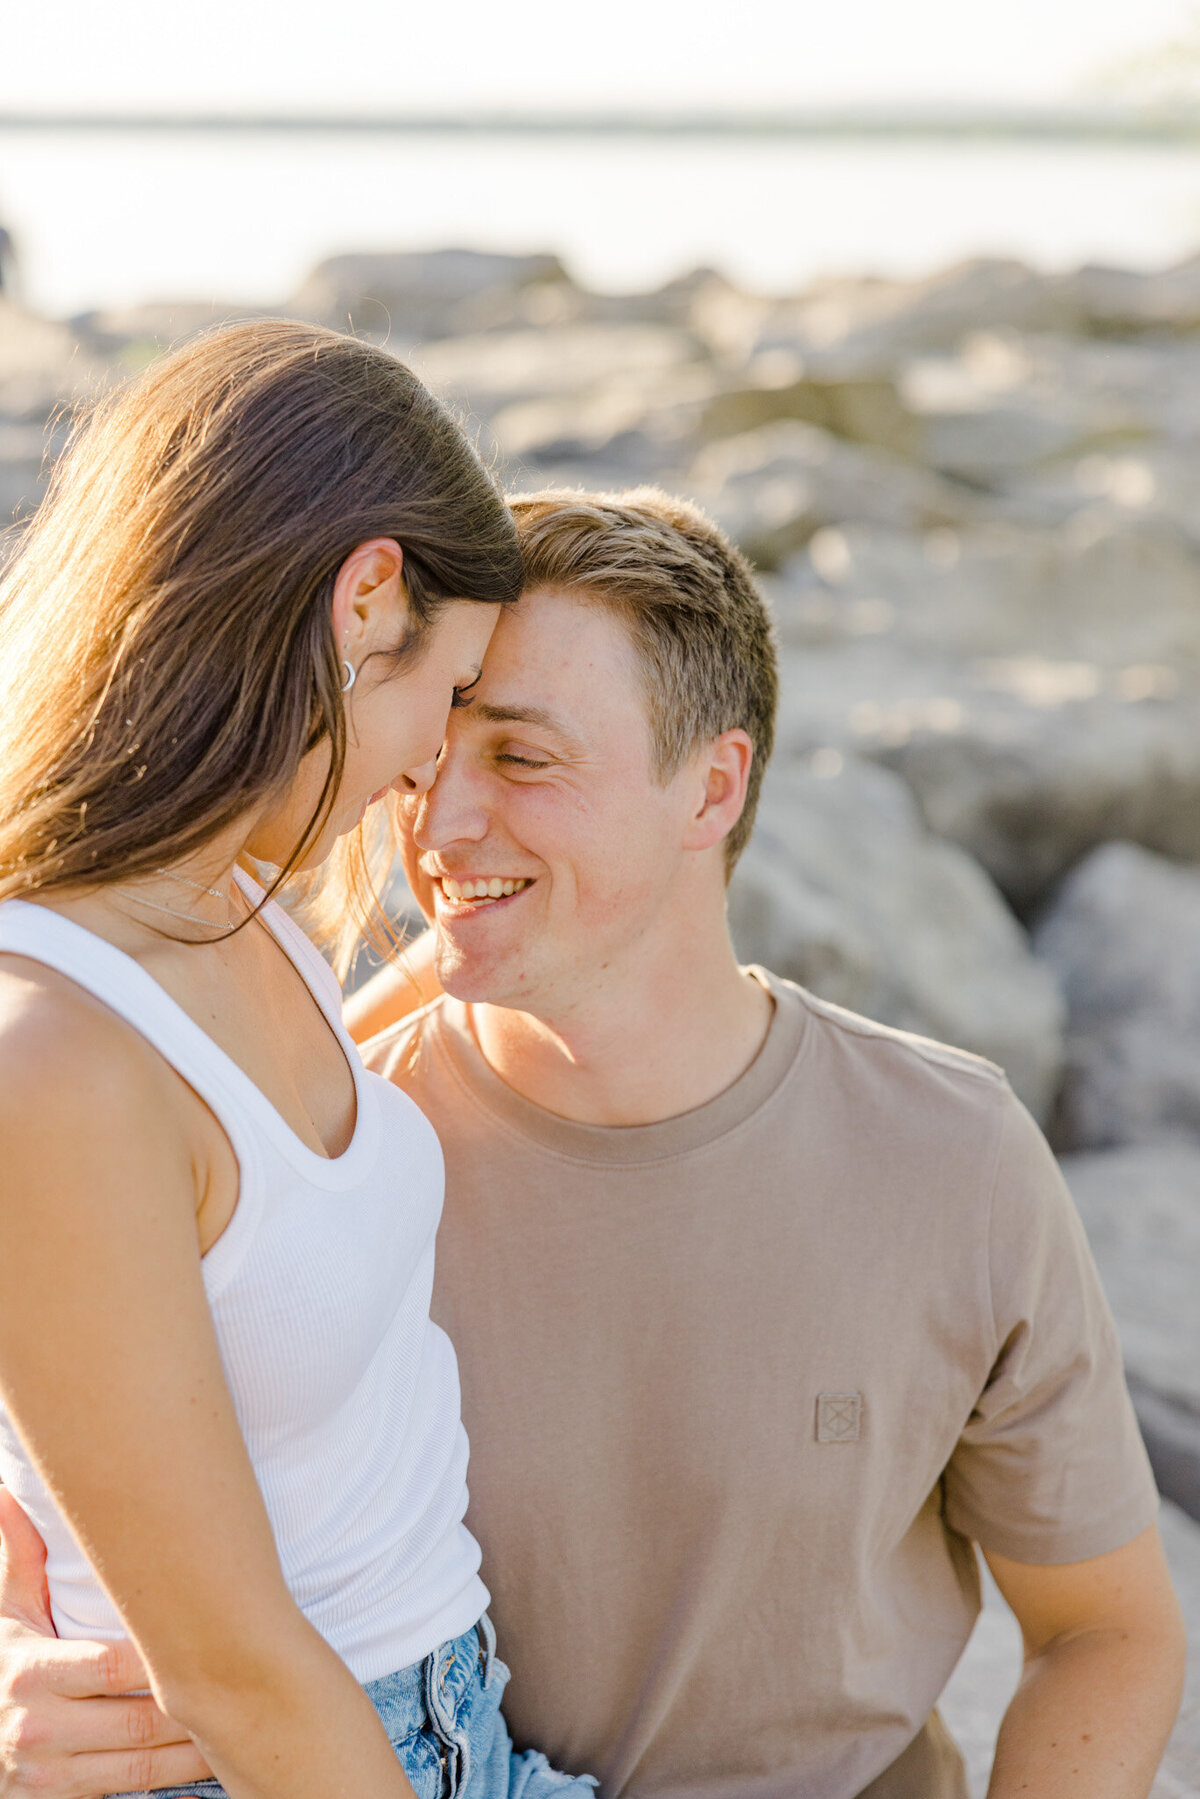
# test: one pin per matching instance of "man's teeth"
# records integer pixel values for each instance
(495, 888)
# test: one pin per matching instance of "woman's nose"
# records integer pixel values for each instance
(416, 780)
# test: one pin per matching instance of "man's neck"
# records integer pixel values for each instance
(644, 1045)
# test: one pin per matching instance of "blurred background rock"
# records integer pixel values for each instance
(972, 492)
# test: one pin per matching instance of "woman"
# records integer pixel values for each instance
(263, 575)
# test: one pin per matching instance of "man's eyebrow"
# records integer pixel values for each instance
(522, 715)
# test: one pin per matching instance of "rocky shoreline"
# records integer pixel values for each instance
(975, 501)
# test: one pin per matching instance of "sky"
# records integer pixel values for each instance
(438, 55)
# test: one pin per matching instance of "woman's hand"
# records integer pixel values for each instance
(73, 1724)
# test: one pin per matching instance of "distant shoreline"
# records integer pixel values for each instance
(1124, 125)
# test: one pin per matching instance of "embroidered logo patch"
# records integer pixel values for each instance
(839, 1417)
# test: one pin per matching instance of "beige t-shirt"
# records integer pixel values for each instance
(742, 1386)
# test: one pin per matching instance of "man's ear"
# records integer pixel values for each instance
(723, 771)
(370, 605)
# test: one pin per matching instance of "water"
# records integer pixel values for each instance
(107, 219)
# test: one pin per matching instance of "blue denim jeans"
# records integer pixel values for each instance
(443, 1719)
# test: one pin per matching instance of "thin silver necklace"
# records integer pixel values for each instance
(172, 875)
(210, 924)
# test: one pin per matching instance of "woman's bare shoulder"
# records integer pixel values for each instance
(65, 1054)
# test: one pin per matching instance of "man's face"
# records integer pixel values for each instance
(546, 791)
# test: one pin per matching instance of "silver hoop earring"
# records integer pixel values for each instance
(351, 676)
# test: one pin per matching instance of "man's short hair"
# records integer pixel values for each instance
(701, 629)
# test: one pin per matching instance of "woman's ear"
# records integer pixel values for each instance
(724, 772)
(370, 606)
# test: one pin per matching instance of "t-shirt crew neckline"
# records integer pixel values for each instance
(629, 1145)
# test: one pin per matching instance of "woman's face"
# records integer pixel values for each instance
(395, 726)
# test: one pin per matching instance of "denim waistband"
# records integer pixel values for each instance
(433, 1690)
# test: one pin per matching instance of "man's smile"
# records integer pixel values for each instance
(477, 891)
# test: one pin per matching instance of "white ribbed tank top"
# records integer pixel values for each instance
(346, 1391)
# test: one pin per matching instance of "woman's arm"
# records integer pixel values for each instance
(73, 1721)
(110, 1369)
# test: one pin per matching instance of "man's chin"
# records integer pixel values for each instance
(473, 979)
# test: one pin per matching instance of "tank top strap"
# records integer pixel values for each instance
(310, 964)
(242, 1109)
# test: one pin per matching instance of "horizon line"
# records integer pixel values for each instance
(1115, 122)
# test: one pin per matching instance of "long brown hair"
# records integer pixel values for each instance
(166, 646)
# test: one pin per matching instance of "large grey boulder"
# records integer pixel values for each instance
(488, 371)
(135, 335)
(1141, 1209)
(1027, 762)
(989, 444)
(1140, 1206)
(974, 1703)
(843, 889)
(1049, 427)
(1109, 593)
(773, 487)
(865, 409)
(39, 366)
(23, 472)
(1039, 691)
(425, 294)
(40, 375)
(866, 325)
(1123, 302)
(1123, 939)
(861, 326)
(999, 407)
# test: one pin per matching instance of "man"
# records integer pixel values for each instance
(764, 1313)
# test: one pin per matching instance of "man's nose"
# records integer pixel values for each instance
(449, 808)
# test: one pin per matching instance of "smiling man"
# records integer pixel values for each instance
(765, 1314)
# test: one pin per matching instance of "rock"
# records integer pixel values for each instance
(1140, 1206)
(39, 366)
(1122, 302)
(488, 372)
(1162, 484)
(1004, 414)
(1038, 690)
(772, 488)
(9, 272)
(844, 890)
(873, 326)
(1179, 1777)
(974, 1703)
(23, 471)
(580, 405)
(989, 445)
(867, 409)
(1171, 1432)
(1026, 762)
(1123, 938)
(431, 294)
(607, 439)
(41, 375)
(998, 407)
(691, 302)
(977, 1697)
(135, 335)
(1115, 595)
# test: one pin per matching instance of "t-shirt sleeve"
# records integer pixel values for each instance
(1051, 1466)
